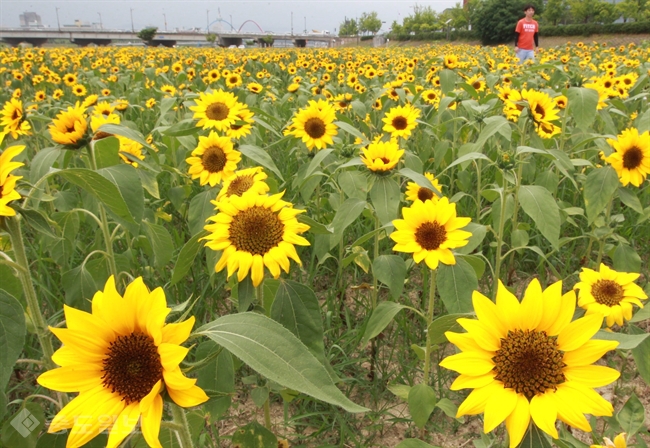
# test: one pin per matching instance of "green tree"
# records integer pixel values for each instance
(349, 27)
(495, 20)
(424, 19)
(556, 11)
(369, 23)
(211, 37)
(147, 34)
(637, 10)
(590, 11)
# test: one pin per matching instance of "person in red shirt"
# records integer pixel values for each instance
(526, 40)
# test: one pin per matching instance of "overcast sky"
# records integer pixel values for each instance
(271, 15)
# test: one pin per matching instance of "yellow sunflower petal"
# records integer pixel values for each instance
(92, 420)
(477, 399)
(123, 425)
(498, 407)
(591, 376)
(72, 378)
(469, 363)
(543, 411)
(151, 422)
(578, 332)
(175, 379)
(589, 353)
(171, 355)
(187, 398)
(179, 332)
(566, 410)
(518, 421)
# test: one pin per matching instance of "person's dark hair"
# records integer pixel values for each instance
(528, 6)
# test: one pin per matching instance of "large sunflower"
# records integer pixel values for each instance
(609, 293)
(12, 119)
(128, 146)
(250, 179)
(315, 124)
(543, 111)
(69, 127)
(414, 192)
(217, 109)
(213, 160)
(631, 158)
(8, 181)
(401, 120)
(118, 358)
(254, 231)
(528, 360)
(243, 125)
(429, 231)
(381, 156)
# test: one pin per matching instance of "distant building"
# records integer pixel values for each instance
(30, 19)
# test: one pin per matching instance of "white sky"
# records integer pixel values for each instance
(271, 15)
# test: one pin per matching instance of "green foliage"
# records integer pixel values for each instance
(211, 37)
(147, 34)
(555, 11)
(349, 27)
(588, 11)
(369, 22)
(495, 20)
(594, 28)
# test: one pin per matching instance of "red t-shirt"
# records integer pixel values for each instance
(526, 32)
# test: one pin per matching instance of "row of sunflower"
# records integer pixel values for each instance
(129, 169)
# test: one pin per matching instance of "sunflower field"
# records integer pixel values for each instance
(350, 247)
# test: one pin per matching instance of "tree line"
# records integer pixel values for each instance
(493, 21)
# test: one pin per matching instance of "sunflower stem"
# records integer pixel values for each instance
(33, 307)
(375, 255)
(182, 426)
(601, 241)
(502, 218)
(104, 222)
(520, 172)
(432, 298)
(267, 414)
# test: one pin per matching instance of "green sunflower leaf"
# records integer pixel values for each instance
(273, 351)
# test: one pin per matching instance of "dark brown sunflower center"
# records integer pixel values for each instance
(315, 127)
(132, 367)
(240, 185)
(476, 85)
(233, 80)
(385, 160)
(424, 194)
(632, 158)
(217, 111)
(256, 230)
(16, 114)
(213, 159)
(400, 123)
(430, 235)
(529, 362)
(539, 110)
(607, 292)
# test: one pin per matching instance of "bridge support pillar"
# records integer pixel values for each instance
(86, 42)
(228, 41)
(15, 41)
(163, 43)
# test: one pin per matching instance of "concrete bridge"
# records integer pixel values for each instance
(84, 37)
